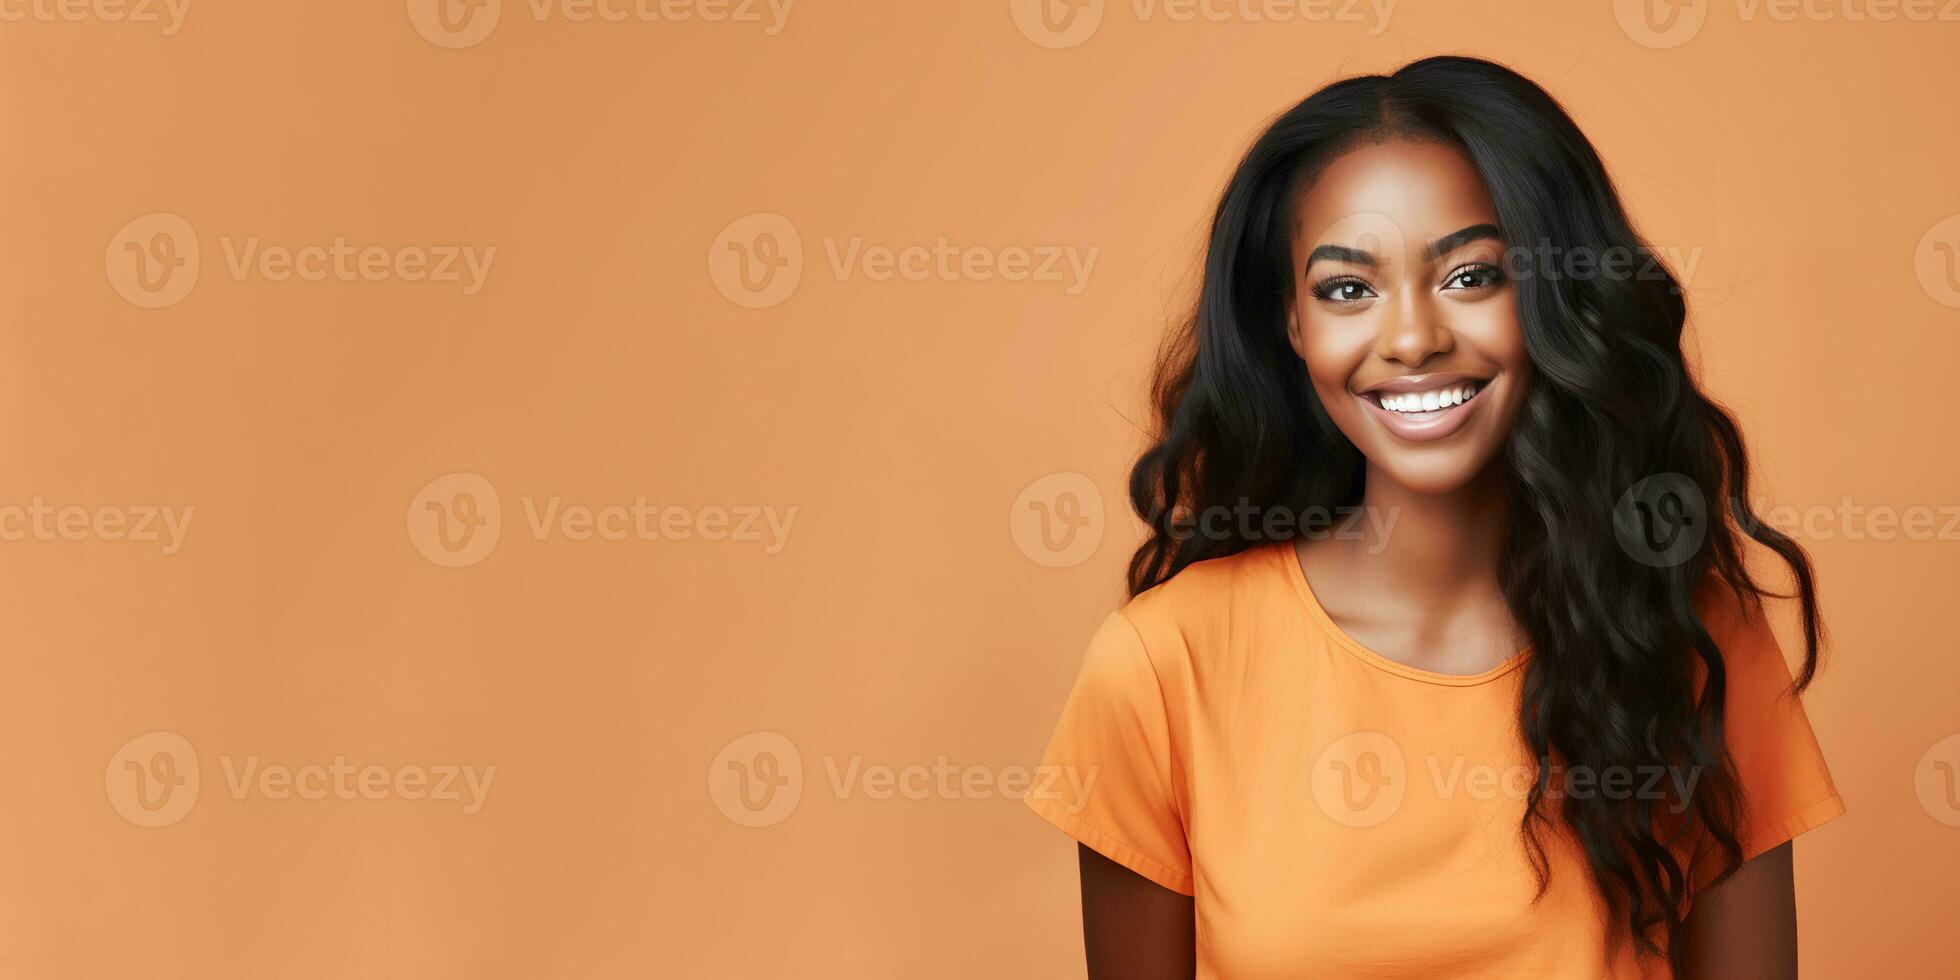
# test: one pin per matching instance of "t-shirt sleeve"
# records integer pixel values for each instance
(1786, 786)
(1109, 772)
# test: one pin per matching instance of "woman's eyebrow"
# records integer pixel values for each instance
(1342, 253)
(1441, 246)
(1457, 239)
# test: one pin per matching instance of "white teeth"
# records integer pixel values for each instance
(1430, 401)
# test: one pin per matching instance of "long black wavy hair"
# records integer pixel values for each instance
(1623, 670)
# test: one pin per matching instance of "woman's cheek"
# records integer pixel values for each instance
(1334, 351)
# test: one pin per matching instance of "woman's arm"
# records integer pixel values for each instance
(1132, 927)
(1746, 926)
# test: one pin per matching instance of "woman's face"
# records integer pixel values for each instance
(1403, 315)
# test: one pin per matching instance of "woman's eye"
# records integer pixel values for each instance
(1474, 277)
(1343, 290)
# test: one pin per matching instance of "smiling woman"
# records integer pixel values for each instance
(1415, 338)
(1276, 723)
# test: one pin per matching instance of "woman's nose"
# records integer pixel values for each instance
(1411, 330)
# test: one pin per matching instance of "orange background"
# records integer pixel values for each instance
(900, 622)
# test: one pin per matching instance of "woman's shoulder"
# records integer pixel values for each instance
(1739, 622)
(1733, 616)
(1206, 598)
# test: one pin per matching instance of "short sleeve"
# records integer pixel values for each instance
(1786, 786)
(1108, 776)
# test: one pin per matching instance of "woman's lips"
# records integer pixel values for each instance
(1423, 426)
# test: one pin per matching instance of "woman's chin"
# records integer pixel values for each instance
(1428, 473)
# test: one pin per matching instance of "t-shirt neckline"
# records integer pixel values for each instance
(1285, 554)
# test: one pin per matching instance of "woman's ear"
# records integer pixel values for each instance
(1293, 331)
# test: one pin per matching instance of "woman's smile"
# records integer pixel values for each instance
(1424, 407)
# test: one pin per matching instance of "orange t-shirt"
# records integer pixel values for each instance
(1338, 814)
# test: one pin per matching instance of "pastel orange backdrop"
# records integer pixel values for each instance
(1805, 163)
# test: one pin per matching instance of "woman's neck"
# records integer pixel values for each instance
(1438, 546)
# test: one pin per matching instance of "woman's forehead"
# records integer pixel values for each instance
(1399, 189)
